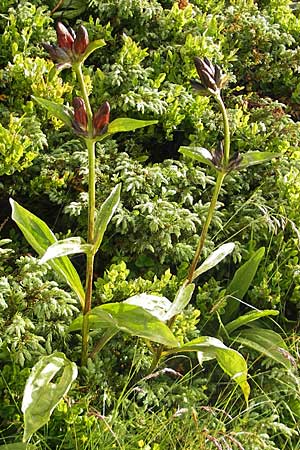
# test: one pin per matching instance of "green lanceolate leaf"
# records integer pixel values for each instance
(198, 153)
(126, 124)
(247, 318)
(214, 259)
(95, 323)
(155, 305)
(105, 214)
(131, 319)
(92, 47)
(267, 342)
(253, 158)
(108, 334)
(41, 395)
(69, 246)
(241, 282)
(55, 109)
(40, 237)
(182, 299)
(231, 361)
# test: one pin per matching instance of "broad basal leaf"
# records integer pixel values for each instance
(214, 258)
(95, 322)
(40, 237)
(69, 246)
(247, 318)
(41, 395)
(155, 305)
(105, 214)
(132, 319)
(231, 361)
(241, 282)
(267, 342)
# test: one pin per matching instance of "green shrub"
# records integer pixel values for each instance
(35, 312)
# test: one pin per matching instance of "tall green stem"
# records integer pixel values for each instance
(90, 144)
(90, 258)
(226, 130)
(217, 189)
(206, 225)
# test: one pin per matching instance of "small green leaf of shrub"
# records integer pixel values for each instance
(41, 396)
(20, 143)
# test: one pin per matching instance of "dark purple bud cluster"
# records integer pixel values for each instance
(70, 46)
(217, 156)
(217, 159)
(80, 118)
(234, 162)
(211, 78)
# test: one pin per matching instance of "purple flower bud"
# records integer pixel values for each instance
(208, 81)
(209, 67)
(82, 40)
(209, 74)
(101, 119)
(72, 33)
(64, 37)
(198, 86)
(57, 54)
(234, 161)
(217, 156)
(218, 75)
(80, 115)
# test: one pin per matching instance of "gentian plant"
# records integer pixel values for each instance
(147, 316)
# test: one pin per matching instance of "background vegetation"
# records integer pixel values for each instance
(144, 72)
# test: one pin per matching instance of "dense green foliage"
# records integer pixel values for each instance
(144, 72)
